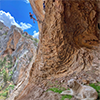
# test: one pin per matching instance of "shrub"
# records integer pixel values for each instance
(36, 40)
(5, 33)
(5, 77)
(4, 60)
(0, 88)
(5, 94)
(9, 66)
(1, 63)
(12, 86)
(3, 71)
(10, 78)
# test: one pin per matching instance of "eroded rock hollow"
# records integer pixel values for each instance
(69, 38)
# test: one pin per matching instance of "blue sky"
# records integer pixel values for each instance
(17, 12)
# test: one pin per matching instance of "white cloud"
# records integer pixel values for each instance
(25, 26)
(9, 20)
(36, 34)
(27, 1)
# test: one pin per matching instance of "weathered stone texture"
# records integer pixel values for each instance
(69, 39)
(20, 48)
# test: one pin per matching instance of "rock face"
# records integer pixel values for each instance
(18, 49)
(69, 40)
(38, 11)
(69, 43)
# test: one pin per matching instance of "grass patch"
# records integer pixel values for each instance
(66, 96)
(57, 90)
(96, 86)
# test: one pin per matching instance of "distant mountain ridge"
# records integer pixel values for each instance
(17, 49)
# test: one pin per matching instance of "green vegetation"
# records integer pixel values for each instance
(4, 60)
(23, 35)
(10, 57)
(30, 59)
(57, 90)
(96, 86)
(66, 96)
(1, 63)
(36, 40)
(31, 38)
(5, 77)
(9, 66)
(2, 98)
(0, 88)
(1, 27)
(5, 33)
(6, 91)
(6, 73)
(4, 94)
(9, 87)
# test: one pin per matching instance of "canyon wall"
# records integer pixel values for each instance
(17, 53)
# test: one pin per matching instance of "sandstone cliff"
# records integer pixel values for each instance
(68, 48)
